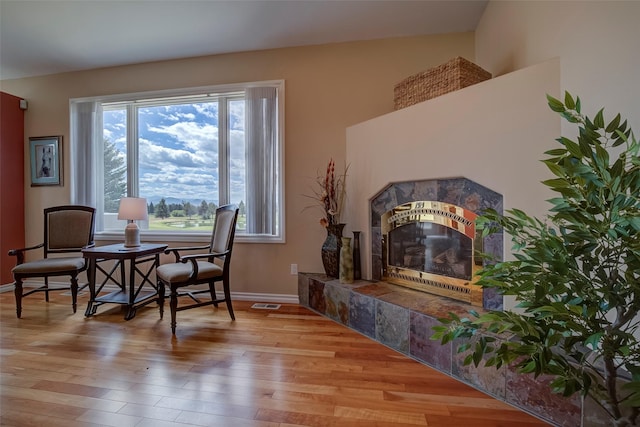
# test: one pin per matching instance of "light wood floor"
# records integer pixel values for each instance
(288, 367)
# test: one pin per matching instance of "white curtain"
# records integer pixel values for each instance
(261, 123)
(86, 155)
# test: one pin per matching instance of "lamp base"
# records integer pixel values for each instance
(131, 235)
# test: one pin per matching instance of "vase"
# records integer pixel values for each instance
(346, 261)
(357, 269)
(331, 250)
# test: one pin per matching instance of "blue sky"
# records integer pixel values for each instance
(179, 147)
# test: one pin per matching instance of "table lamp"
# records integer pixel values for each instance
(132, 209)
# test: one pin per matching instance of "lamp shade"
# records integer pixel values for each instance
(132, 208)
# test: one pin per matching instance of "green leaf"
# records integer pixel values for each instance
(467, 360)
(556, 183)
(585, 148)
(568, 101)
(598, 121)
(554, 104)
(613, 125)
(556, 151)
(594, 340)
(556, 169)
(573, 148)
(528, 368)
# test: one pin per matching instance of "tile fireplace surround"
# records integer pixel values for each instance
(401, 319)
(458, 191)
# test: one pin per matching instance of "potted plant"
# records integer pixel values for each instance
(575, 276)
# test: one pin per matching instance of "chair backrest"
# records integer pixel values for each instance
(224, 229)
(68, 228)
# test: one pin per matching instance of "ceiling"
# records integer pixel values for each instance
(47, 37)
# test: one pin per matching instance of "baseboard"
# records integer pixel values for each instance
(261, 297)
(240, 296)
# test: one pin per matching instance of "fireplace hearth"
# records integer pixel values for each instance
(424, 238)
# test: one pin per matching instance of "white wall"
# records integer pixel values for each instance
(596, 41)
(493, 133)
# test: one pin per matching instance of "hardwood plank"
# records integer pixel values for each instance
(27, 406)
(109, 419)
(16, 418)
(37, 396)
(281, 368)
(70, 388)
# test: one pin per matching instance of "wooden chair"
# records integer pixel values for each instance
(67, 229)
(209, 266)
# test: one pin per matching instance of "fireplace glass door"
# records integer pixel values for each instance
(431, 248)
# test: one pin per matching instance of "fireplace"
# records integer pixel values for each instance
(423, 237)
(430, 246)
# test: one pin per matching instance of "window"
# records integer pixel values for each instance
(186, 152)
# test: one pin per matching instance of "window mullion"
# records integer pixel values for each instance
(132, 151)
(223, 151)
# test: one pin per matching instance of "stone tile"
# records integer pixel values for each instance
(377, 289)
(425, 190)
(432, 305)
(450, 190)
(362, 314)
(593, 415)
(404, 192)
(381, 203)
(489, 379)
(492, 299)
(316, 296)
(303, 290)
(337, 302)
(392, 326)
(376, 253)
(423, 348)
(477, 198)
(535, 395)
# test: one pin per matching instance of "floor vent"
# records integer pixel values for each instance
(265, 306)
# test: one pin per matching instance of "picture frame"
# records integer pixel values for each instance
(46, 160)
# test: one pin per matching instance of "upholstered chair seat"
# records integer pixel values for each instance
(50, 265)
(179, 273)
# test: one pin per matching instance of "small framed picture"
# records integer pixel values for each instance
(46, 160)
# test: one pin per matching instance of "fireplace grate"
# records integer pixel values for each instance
(434, 283)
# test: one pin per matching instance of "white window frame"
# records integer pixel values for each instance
(176, 236)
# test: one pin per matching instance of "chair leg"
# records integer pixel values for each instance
(212, 291)
(227, 297)
(74, 293)
(173, 305)
(161, 298)
(18, 293)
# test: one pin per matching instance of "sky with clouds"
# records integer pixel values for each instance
(178, 150)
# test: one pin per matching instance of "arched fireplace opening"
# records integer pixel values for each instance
(424, 238)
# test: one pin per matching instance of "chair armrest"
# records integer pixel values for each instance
(184, 248)
(196, 257)
(19, 253)
(194, 261)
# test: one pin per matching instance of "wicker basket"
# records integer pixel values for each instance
(453, 75)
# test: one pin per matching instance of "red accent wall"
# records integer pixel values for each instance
(11, 182)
